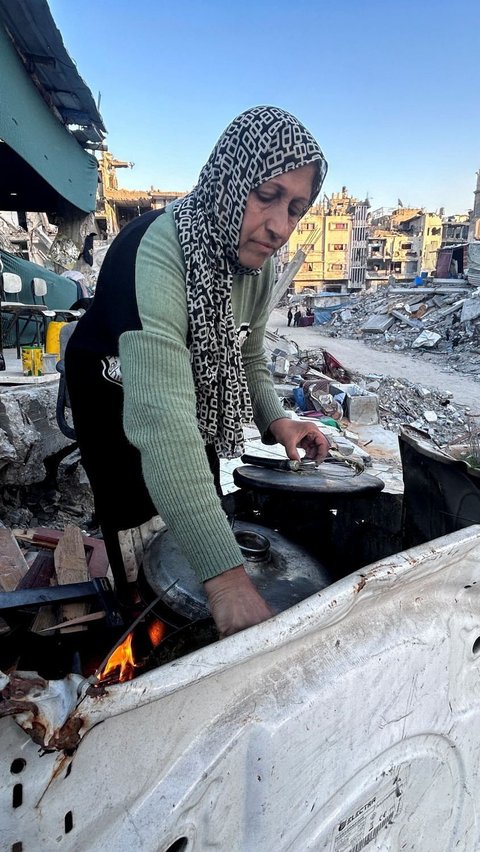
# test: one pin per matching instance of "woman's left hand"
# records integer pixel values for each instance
(297, 433)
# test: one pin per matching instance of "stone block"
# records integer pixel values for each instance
(362, 409)
(28, 433)
(470, 309)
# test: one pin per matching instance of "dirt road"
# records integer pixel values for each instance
(358, 357)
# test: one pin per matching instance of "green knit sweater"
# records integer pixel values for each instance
(159, 396)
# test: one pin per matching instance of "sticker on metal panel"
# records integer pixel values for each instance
(361, 826)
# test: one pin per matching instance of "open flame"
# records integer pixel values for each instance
(123, 659)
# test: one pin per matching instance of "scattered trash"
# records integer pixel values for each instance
(426, 338)
(315, 376)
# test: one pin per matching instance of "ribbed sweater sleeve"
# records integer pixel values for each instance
(160, 405)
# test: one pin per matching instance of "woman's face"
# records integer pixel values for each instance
(272, 212)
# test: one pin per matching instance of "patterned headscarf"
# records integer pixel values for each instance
(258, 145)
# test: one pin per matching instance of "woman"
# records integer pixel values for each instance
(181, 304)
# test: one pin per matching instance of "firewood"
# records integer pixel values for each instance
(71, 567)
(46, 538)
(40, 572)
(13, 565)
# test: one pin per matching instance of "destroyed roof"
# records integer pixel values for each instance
(140, 197)
(38, 42)
(451, 247)
(381, 233)
(127, 197)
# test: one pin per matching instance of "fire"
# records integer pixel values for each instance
(121, 664)
(156, 632)
(122, 659)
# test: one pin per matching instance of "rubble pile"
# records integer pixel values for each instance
(400, 401)
(443, 321)
(425, 408)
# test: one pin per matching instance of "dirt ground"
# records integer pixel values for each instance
(359, 357)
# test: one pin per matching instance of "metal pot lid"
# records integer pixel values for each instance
(328, 478)
(284, 577)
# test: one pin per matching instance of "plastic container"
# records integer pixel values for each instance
(52, 339)
(32, 360)
(50, 362)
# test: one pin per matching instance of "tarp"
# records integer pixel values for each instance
(324, 315)
(61, 292)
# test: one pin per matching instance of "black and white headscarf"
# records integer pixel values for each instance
(259, 144)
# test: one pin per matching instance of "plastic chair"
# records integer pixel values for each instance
(39, 291)
(11, 284)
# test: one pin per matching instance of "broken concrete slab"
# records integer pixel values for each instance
(470, 309)
(412, 323)
(430, 290)
(378, 323)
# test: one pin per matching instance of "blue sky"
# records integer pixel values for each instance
(389, 89)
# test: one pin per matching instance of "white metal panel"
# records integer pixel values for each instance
(350, 721)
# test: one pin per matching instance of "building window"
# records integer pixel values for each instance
(335, 267)
(307, 247)
(337, 247)
(406, 246)
(306, 226)
(338, 226)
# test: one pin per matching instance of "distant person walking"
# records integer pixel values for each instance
(289, 317)
(297, 317)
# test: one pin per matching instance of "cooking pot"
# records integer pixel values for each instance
(282, 571)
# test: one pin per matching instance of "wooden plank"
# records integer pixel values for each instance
(45, 619)
(92, 616)
(95, 551)
(47, 615)
(40, 572)
(71, 567)
(13, 565)
(27, 538)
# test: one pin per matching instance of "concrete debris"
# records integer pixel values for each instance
(391, 402)
(430, 410)
(470, 309)
(377, 323)
(41, 481)
(445, 320)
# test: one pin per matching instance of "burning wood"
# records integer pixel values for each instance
(123, 661)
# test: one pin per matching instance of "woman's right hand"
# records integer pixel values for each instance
(234, 602)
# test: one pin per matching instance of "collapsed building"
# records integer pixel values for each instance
(51, 172)
(348, 248)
